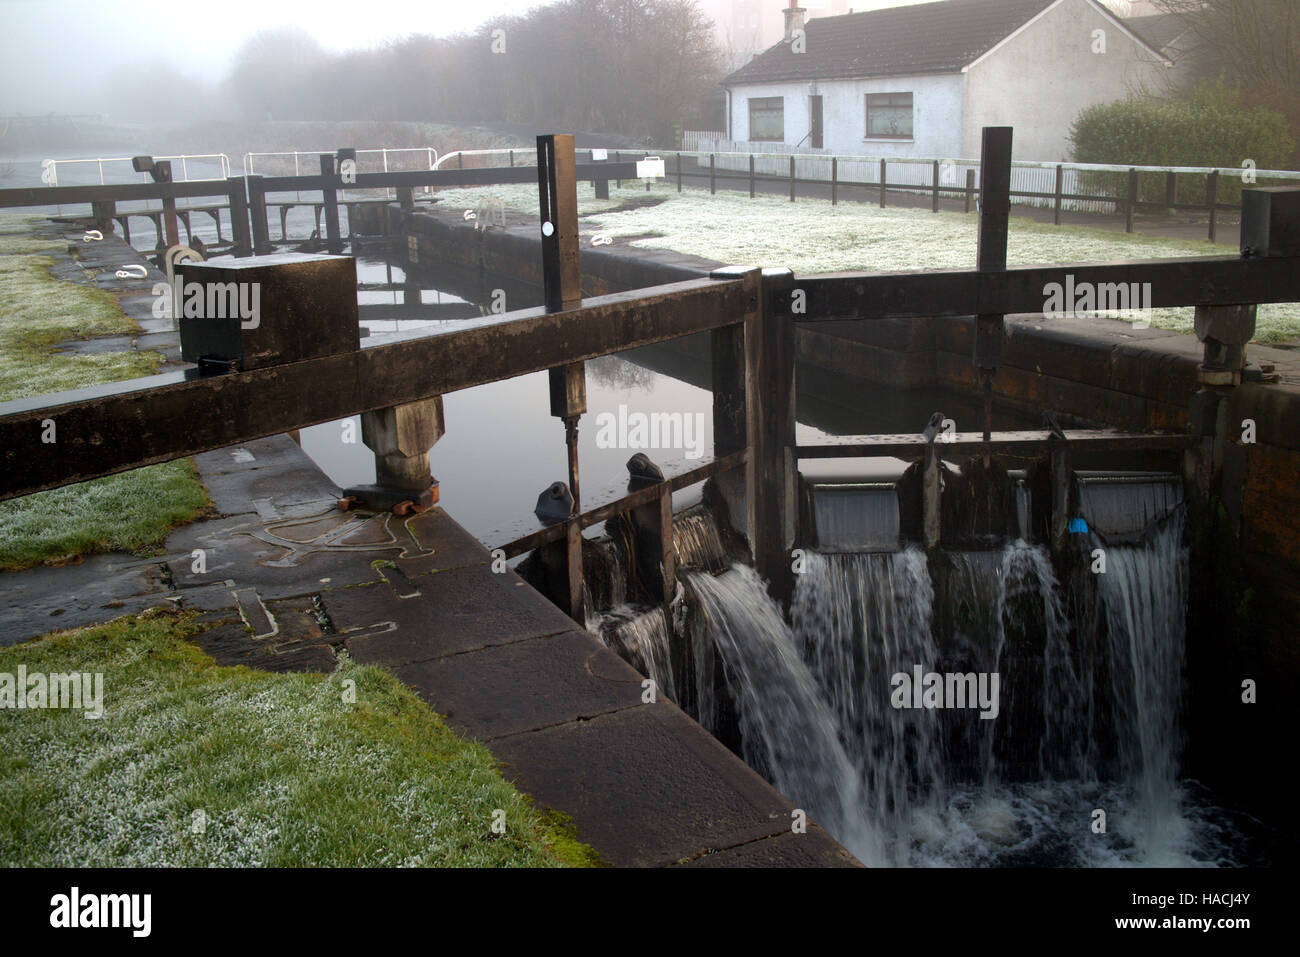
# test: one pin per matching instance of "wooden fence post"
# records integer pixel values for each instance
(1212, 199)
(882, 182)
(835, 175)
(1131, 202)
(934, 199)
(1060, 188)
(792, 177)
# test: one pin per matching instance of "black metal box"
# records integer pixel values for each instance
(265, 310)
(1270, 221)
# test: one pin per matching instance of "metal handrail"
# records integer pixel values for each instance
(52, 165)
(431, 154)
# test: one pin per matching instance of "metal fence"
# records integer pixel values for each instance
(1084, 187)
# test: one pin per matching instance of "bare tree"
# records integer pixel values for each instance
(1252, 45)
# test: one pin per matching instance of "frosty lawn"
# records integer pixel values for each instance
(194, 764)
(131, 511)
(813, 236)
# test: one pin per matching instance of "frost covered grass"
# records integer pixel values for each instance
(194, 764)
(38, 311)
(130, 512)
(133, 510)
(812, 236)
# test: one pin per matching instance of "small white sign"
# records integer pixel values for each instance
(599, 156)
(649, 168)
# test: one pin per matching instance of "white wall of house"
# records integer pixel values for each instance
(936, 114)
(1040, 78)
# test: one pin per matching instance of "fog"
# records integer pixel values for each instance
(137, 59)
(79, 56)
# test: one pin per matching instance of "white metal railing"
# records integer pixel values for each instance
(511, 154)
(50, 167)
(430, 159)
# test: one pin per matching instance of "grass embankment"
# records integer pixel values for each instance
(132, 511)
(195, 764)
(813, 236)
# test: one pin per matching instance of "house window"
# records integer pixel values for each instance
(767, 118)
(889, 115)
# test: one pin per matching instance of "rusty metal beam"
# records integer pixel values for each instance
(124, 425)
(1023, 442)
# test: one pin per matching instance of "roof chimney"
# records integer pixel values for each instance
(794, 16)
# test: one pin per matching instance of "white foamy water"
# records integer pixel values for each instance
(812, 699)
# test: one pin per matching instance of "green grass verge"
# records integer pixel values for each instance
(132, 511)
(195, 764)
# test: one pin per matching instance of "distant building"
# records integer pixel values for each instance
(923, 80)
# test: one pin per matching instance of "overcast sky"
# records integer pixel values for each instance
(57, 52)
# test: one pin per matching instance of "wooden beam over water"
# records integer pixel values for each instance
(123, 425)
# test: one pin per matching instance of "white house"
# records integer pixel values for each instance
(922, 80)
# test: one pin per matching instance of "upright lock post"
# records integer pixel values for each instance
(557, 187)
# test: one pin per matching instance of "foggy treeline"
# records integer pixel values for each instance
(633, 67)
(1252, 46)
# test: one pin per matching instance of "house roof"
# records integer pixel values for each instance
(922, 38)
(1158, 30)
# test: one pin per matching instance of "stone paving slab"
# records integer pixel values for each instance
(459, 610)
(646, 785)
(526, 685)
(98, 588)
(814, 848)
(270, 471)
(260, 554)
